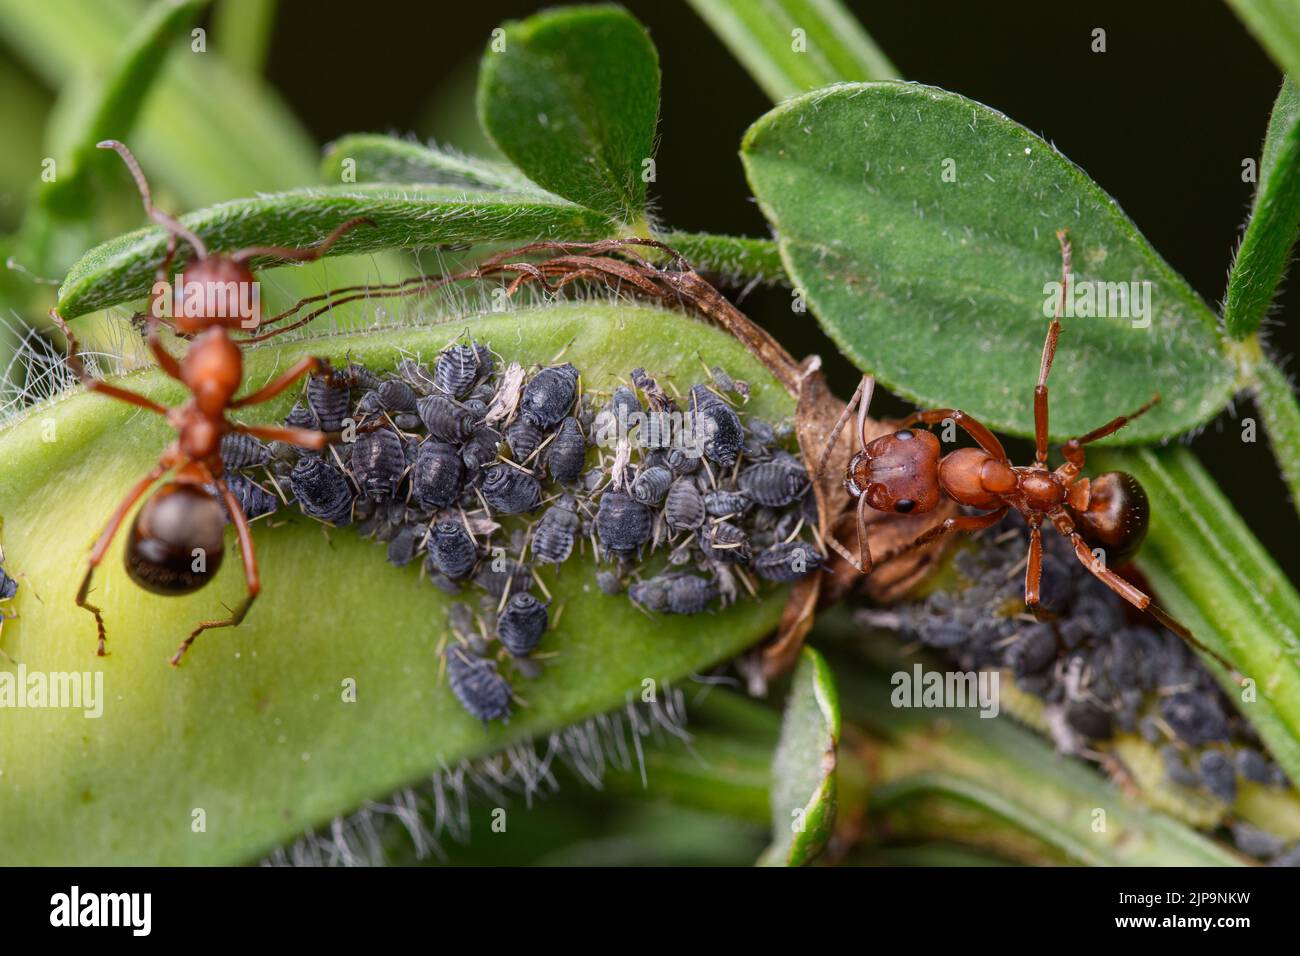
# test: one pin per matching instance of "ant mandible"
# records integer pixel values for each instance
(903, 472)
(177, 539)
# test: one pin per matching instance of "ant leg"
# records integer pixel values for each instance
(1073, 449)
(977, 430)
(170, 223)
(303, 253)
(166, 361)
(105, 539)
(1133, 594)
(1049, 353)
(861, 398)
(962, 524)
(1034, 568)
(302, 437)
(92, 384)
(250, 573)
(273, 388)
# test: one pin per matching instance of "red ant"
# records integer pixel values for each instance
(903, 472)
(176, 541)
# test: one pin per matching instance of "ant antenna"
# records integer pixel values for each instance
(170, 223)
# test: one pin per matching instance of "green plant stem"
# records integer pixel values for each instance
(734, 257)
(761, 34)
(1276, 400)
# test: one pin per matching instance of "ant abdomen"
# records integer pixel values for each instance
(1115, 517)
(177, 540)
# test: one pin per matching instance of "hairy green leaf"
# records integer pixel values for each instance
(1271, 234)
(907, 214)
(571, 96)
(263, 702)
(793, 46)
(1276, 24)
(413, 216)
(387, 159)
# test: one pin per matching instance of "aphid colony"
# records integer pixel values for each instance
(1098, 673)
(686, 504)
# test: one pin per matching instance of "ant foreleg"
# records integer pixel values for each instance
(250, 573)
(302, 437)
(100, 547)
(961, 524)
(92, 384)
(1049, 353)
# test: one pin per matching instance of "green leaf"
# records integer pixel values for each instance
(252, 728)
(1275, 397)
(803, 769)
(733, 257)
(243, 29)
(889, 255)
(1271, 234)
(1211, 573)
(793, 46)
(387, 159)
(118, 103)
(572, 100)
(1276, 24)
(406, 217)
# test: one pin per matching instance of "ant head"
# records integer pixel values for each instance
(1111, 512)
(216, 290)
(898, 472)
(177, 540)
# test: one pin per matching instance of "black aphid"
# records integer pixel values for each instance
(775, 483)
(674, 593)
(480, 449)
(451, 549)
(659, 400)
(556, 532)
(609, 583)
(321, 490)
(300, 416)
(456, 370)
(445, 420)
(396, 396)
(500, 575)
(437, 475)
(725, 542)
(328, 402)
(567, 452)
(652, 484)
(477, 685)
(402, 548)
(549, 395)
(1195, 718)
(522, 623)
(683, 462)
(378, 463)
(684, 505)
(8, 586)
(625, 405)
(359, 376)
(721, 503)
(1218, 775)
(622, 522)
(523, 437)
(254, 500)
(239, 450)
(509, 490)
(787, 562)
(416, 375)
(717, 425)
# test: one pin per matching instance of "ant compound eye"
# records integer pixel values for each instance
(904, 435)
(904, 506)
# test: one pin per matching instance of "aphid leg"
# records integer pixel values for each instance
(862, 399)
(1133, 594)
(302, 437)
(168, 222)
(250, 573)
(105, 539)
(1073, 449)
(303, 253)
(961, 524)
(1049, 353)
(273, 388)
(93, 384)
(977, 430)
